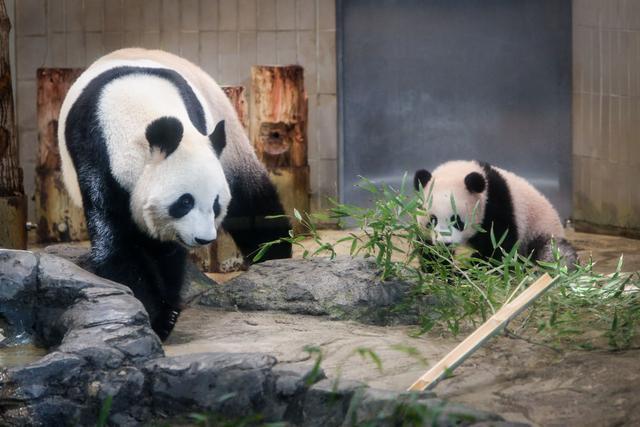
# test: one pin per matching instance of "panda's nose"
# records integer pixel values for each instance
(203, 241)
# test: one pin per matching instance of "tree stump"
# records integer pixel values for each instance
(59, 219)
(279, 131)
(13, 202)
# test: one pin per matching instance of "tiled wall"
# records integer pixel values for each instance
(606, 112)
(225, 37)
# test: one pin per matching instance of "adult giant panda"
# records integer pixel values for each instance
(459, 195)
(155, 153)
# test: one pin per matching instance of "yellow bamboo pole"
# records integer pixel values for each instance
(481, 335)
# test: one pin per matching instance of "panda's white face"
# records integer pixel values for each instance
(452, 213)
(454, 202)
(182, 196)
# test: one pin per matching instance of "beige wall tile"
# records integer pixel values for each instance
(31, 54)
(190, 15)
(170, 15)
(327, 126)
(326, 62)
(133, 15)
(248, 56)
(208, 15)
(93, 15)
(209, 52)
(150, 40)
(95, 46)
(190, 46)
(30, 17)
(326, 15)
(307, 57)
(247, 15)
(26, 105)
(56, 50)
(55, 16)
(228, 11)
(76, 54)
(74, 15)
(285, 14)
(113, 16)
(286, 45)
(151, 15)
(266, 14)
(170, 41)
(228, 57)
(113, 41)
(266, 48)
(306, 14)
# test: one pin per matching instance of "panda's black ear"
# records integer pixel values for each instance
(421, 178)
(164, 134)
(475, 182)
(218, 138)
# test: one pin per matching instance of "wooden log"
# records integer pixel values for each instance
(59, 219)
(238, 98)
(491, 327)
(13, 203)
(279, 110)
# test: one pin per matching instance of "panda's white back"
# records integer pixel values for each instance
(131, 102)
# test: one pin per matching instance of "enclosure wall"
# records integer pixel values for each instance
(606, 115)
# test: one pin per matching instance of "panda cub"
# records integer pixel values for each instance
(153, 150)
(460, 194)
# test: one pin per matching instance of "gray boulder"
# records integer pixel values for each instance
(343, 288)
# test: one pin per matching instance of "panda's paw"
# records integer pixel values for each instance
(164, 324)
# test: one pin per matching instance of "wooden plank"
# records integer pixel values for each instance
(13, 211)
(481, 335)
(59, 219)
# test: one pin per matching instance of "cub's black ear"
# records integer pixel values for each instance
(164, 134)
(218, 138)
(475, 182)
(421, 178)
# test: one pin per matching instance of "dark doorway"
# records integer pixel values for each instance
(425, 81)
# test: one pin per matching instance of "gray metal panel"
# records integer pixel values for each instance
(426, 81)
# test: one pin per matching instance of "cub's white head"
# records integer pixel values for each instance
(182, 193)
(454, 201)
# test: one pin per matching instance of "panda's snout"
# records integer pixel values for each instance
(203, 241)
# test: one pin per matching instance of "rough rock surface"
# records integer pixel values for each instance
(196, 282)
(343, 288)
(102, 346)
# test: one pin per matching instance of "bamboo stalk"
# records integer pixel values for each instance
(481, 335)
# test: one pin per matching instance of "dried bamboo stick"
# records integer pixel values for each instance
(481, 335)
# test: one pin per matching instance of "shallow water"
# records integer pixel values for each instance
(20, 355)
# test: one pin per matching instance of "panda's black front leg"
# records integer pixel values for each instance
(171, 261)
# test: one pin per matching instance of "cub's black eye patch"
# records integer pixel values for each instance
(216, 206)
(182, 206)
(433, 220)
(456, 222)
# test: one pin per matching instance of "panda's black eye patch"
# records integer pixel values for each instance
(456, 222)
(216, 206)
(182, 206)
(433, 220)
